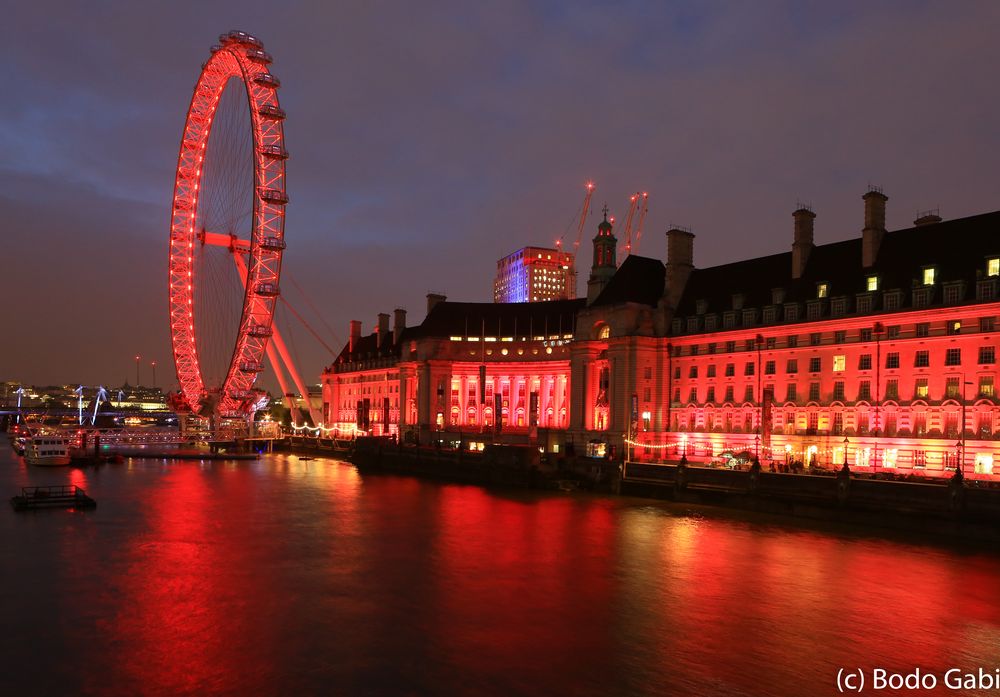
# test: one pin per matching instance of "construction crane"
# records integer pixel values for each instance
(627, 234)
(643, 209)
(584, 212)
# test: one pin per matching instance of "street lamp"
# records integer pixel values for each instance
(137, 357)
(877, 330)
(759, 340)
(961, 443)
(847, 441)
(756, 446)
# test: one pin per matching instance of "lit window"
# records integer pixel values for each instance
(984, 463)
(929, 276)
(821, 290)
(993, 267)
(872, 283)
(839, 362)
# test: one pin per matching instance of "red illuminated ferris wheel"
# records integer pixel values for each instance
(229, 196)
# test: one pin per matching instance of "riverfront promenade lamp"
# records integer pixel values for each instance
(846, 443)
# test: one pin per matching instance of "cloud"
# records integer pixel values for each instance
(428, 141)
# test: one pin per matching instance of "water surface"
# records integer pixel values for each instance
(294, 577)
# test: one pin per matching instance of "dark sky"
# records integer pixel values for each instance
(430, 139)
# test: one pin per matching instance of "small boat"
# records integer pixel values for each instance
(47, 449)
(306, 457)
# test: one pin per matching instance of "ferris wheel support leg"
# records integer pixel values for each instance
(280, 374)
(290, 367)
(279, 344)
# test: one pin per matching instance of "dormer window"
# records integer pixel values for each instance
(993, 266)
(777, 296)
(822, 290)
(871, 283)
(737, 301)
(930, 273)
(701, 307)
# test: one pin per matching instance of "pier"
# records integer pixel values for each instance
(65, 496)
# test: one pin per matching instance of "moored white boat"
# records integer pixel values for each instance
(47, 449)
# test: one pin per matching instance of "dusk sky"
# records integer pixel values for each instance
(429, 139)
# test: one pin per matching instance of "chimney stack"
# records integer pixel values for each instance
(398, 324)
(871, 236)
(802, 245)
(680, 262)
(355, 335)
(433, 299)
(382, 328)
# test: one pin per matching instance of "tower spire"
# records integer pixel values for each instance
(605, 264)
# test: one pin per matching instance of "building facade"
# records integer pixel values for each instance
(879, 351)
(535, 274)
(475, 372)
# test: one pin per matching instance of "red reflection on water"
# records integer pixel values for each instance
(78, 477)
(526, 584)
(800, 606)
(171, 636)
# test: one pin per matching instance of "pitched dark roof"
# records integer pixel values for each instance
(501, 319)
(637, 280)
(958, 249)
(475, 319)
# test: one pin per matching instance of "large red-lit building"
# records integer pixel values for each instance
(878, 350)
(452, 375)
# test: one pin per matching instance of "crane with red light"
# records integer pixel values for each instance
(627, 233)
(644, 208)
(584, 212)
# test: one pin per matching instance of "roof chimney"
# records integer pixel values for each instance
(871, 236)
(355, 335)
(398, 324)
(927, 217)
(433, 299)
(802, 245)
(680, 262)
(382, 328)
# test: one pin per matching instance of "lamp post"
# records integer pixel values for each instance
(961, 443)
(756, 446)
(846, 443)
(137, 357)
(877, 330)
(759, 340)
(153, 365)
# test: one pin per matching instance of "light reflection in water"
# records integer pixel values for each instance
(285, 576)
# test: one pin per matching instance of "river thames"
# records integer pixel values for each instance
(293, 577)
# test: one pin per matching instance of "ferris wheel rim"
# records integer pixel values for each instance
(241, 56)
